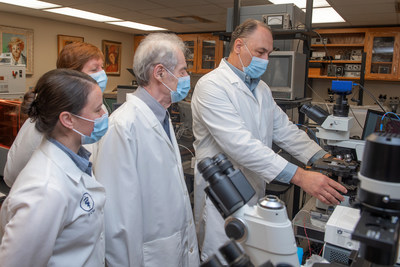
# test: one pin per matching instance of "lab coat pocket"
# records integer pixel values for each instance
(164, 251)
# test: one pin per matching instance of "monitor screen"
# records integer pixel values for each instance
(373, 122)
(185, 112)
(279, 71)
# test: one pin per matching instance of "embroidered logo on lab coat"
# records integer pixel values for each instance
(87, 203)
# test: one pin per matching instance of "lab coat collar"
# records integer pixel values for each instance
(61, 159)
(152, 120)
(236, 80)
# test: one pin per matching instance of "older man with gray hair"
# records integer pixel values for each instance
(148, 216)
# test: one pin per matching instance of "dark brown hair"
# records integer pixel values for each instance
(57, 91)
(245, 29)
(75, 55)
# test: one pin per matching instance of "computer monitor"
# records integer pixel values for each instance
(285, 74)
(373, 122)
(185, 113)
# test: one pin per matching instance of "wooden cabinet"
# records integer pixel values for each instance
(190, 41)
(383, 55)
(337, 54)
(205, 51)
(136, 41)
(340, 57)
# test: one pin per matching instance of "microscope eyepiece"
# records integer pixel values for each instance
(228, 189)
(234, 255)
(224, 164)
(315, 113)
(207, 168)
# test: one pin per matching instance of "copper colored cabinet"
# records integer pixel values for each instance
(383, 50)
(205, 51)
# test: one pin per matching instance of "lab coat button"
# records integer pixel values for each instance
(191, 250)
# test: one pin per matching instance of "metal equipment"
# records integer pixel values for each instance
(12, 82)
(284, 17)
(336, 128)
(264, 230)
(378, 229)
(379, 195)
(235, 257)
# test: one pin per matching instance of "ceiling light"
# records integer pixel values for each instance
(188, 19)
(301, 3)
(325, 15)
(30, 4)
(138, 26)
(82, 14)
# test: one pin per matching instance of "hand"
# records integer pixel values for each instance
(319, 186)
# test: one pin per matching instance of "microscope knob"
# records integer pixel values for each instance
(235, 229)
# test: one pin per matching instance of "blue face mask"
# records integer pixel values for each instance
(101, 79)
(257, 66)
(182, 88)
(99, 129)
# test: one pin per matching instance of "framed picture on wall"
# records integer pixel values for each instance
(63, 40)
(112, 53)
(18, 42)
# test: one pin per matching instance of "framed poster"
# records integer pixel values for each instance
(63, 40)
(18, 42)
(112, 54)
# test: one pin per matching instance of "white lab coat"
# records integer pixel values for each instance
(25, 143)
(148, 216)
(228, 118)
(53, 215)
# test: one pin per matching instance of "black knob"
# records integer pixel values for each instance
(235, 229)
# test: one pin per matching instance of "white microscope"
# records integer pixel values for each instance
(335, 129)
(264, 230)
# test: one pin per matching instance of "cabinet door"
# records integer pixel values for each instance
(382, 55)
(209, 53)
(190, 41)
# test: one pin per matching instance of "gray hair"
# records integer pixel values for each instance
(245, 29)
(156, 48)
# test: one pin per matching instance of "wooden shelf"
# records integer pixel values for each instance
(345, 41)
(382, 63)
(338, 45)
(336, 61)
(333, 78)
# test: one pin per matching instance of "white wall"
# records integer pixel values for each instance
(45, 33)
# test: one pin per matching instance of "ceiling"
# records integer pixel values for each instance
(153, 12)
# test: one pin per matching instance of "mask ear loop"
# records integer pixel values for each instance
(248, 50)
(240, 58)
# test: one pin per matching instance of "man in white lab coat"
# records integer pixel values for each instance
(234, 112)
(148, 216)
